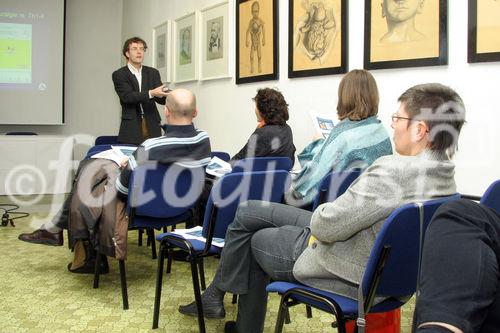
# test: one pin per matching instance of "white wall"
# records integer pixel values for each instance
(226, 110)
(93, 52)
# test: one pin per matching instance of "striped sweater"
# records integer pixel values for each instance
(181, 144)
(351, 144)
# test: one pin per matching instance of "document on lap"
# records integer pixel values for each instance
(196, 233)
(218, 167)
(116, 154)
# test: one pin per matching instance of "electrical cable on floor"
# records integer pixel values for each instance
(7, 217)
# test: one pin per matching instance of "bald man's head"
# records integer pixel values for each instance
(181, 103)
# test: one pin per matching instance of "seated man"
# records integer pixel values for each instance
(460, 275)
(180, 142)
(269, 240)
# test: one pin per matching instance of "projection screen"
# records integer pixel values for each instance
(32, 62)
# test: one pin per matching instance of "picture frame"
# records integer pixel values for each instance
(162, 39)
(214, 42)
(323, 53)
(483, 31)
(257, 57)
(186, 48)
(415, 35)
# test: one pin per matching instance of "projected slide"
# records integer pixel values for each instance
(15, 53)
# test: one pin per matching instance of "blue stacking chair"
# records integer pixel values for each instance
(97, 149)
(106, 140)
(263, 164)
(151, 203)
(491, 198)
(221, 208)
(334, 185)
(222, 155)
(391, 271)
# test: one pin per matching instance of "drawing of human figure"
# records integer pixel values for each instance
(185, 53)
(256, 33)
(400, 17)
(214, 42)
(316, 30)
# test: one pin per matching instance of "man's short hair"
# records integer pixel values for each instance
(131, 40)
(184, 106)
(442, 109)
(358, 96)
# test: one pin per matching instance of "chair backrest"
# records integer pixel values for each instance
(263, 164)
(97, 149)
(491, 197)
(106, 140)
(21, 133)
(334, 185)
(403, 234)
(162, 191)
(234, 188)
(222, 155)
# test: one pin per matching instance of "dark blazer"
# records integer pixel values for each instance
(127, 88)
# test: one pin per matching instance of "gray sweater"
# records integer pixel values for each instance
(346, 228)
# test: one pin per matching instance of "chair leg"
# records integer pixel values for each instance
(159, 280)
(123, 280)
(197, 294)
(202, 274)
(97, 270)
(287, 316)
(283, 309)
(309, 312)
(235, 299)
(140, 232)
(169, 261)
(151, 235)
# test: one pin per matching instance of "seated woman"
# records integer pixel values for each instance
(272, 137)
(357, 140)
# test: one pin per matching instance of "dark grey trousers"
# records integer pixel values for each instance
(263, 243)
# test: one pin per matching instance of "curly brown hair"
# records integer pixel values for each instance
(272, 106)
(131, 40)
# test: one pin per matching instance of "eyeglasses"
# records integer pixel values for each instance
(395, 117)
(137, 49)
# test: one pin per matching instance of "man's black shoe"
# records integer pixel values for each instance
(212, 309)
(89, 267)
(41, 236)
(230, 327)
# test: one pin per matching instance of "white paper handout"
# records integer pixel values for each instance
(218, 167)
(195, 233)
(116, 153)
(323, 122)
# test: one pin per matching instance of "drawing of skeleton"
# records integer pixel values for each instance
(316, 30)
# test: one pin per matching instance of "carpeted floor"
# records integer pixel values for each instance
(38, 294)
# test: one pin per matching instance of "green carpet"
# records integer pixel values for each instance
(38, 294)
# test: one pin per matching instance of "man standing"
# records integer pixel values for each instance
(138, 88)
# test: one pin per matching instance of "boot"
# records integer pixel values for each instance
(213, 304)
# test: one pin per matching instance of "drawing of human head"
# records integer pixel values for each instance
(400, 17)
(255, 9)
(401, 10)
